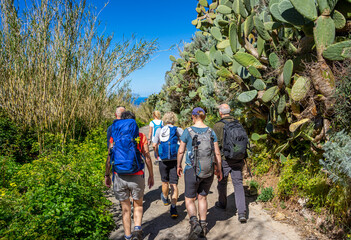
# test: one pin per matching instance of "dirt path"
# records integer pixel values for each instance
(157, 223)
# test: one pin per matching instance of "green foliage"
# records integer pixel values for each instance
(9, 168)
(337, 158)
(267, 194)
(59, 196)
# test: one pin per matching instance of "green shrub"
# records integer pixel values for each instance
(266, 195)
(8, 168)
(59, 196)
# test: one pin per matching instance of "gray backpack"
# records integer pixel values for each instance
(203, 152)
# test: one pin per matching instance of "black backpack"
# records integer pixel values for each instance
(235, 141)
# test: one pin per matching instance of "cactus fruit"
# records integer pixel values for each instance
(338, 51)
(274, 60)
(307, 8)
(339, 19)
(233, 37)
(261, 29)
(259, 85)
(248, 96)
(247, 60)
(295, 125)
(324, 32)
(281, 104)
(287, 72)
(202, 58)
(216, 33)
(300, 89)
(224, 9)
(270, 94)
(289, 13)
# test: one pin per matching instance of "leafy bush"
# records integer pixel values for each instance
(59, 196)
(337, 158)
(8, 168)
(266, 195)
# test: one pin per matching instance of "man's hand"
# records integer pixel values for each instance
(179, 171)
(219, 174)
(108, 181)
(150, 181)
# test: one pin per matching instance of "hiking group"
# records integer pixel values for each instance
(219, 151)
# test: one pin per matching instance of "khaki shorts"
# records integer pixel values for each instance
(125, 186)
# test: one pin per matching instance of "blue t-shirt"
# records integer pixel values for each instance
(186, 138)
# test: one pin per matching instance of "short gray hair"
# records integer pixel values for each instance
(224, 109)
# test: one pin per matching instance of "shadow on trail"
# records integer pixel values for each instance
(163, 221)
(150, 197)
(215, 214)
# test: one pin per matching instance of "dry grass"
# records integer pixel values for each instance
(55, 68)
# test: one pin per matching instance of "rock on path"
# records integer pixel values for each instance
(223, 224)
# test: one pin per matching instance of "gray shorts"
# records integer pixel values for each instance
(195, 185)
(125, 186)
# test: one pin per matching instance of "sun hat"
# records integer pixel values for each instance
(196, 110)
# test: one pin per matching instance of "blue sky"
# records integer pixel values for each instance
(169, 21)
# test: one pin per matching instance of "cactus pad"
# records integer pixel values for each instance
(224, 9)
(239, 8)
(281, 104)
(223, 44)
(274, 60)
(233, 37)
(307, 8)
(247, 96)
(300, 88)
(261, 29)
(270, 94)
(224, 73)
(254, 72)
(339, 19)
(216, 33)
(324, 32)
(248, 25)
(259, 85)
(202, 58)
(203, 3)
(287, 72)
(338, 51)
(247, 60)
(295, 125)
(289, 13)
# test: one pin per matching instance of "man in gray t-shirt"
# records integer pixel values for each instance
(168, 167)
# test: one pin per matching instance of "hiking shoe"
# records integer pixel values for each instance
(174, 213)
(204, 230)
(137, 235)
(164, 200)
(242, 218)
(195, 230)
(219, 206)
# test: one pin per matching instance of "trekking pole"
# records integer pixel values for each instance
(195, 147)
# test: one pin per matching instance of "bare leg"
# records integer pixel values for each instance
(202, 201)
(126, 216)
(138, 212)
(174, 194)
(190, 206)
(165, 189)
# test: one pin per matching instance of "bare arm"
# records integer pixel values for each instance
(150, 133)
(149, 165)
(218, 161)
(108, 181)
(155, 147)
(180, 155)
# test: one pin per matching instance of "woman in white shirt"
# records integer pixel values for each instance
(154, 125)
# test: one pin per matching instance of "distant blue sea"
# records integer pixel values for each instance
(139, 100)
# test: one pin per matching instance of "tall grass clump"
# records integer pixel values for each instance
(58, 72)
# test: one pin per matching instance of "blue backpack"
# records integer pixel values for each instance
(168, 148)
(125, 157)
(156, 126)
